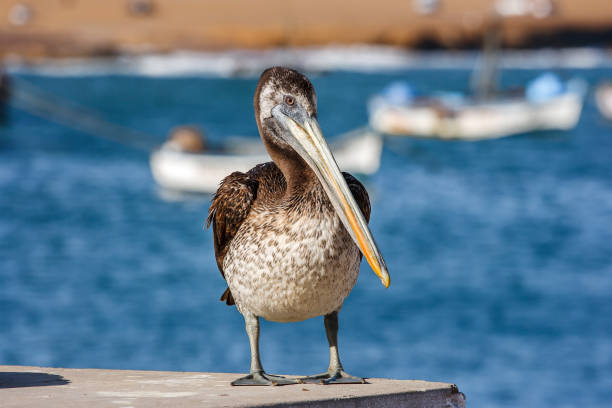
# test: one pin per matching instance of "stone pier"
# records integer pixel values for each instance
(32, 387)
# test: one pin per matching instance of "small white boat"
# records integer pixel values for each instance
(457, 118)
(603, 98)
(174, 169)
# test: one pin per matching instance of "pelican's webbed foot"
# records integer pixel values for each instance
(261, 378)
(335, 373)
(337, 377)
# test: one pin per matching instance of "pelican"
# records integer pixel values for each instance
(289, 234)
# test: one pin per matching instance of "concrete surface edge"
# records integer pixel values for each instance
(22, 386)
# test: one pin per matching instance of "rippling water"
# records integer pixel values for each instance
(499, 251)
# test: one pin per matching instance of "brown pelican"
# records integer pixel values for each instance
(288, 233)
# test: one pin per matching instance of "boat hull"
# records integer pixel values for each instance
(479, 121)
(356, 152)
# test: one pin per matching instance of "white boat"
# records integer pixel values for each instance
(173, 169)
(547, 103)
(458, 118)
(603, 98)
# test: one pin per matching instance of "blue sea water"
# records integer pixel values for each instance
(500, 252)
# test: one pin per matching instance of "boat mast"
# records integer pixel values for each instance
(484, 81)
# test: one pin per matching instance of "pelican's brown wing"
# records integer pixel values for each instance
(360, 194)
(229, 208)
(232, 203)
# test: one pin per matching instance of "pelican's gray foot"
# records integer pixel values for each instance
(335, 373)
(257, 375)
(261, 378)
(337, 377)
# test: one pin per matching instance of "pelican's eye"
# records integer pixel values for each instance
(289, 100)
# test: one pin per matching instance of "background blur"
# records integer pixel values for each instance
(499, 249)
(81, 27)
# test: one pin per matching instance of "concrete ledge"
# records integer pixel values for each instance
(22, 386)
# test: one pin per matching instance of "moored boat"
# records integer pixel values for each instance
(551, 106)
(178, 169)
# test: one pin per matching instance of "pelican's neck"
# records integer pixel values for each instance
(299, 176)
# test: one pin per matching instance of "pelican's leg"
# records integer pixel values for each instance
(257, 376)
(335, 373)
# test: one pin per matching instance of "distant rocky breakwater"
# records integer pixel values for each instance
(33, 47)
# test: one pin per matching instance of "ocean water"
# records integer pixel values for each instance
(500, 252)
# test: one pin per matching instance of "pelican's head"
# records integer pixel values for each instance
(282, 91)
(286, 114)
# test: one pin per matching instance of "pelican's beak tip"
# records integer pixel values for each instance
(384, 277)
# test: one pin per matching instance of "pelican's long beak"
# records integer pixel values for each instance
(307, 140)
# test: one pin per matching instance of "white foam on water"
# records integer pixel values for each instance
(356, 58)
